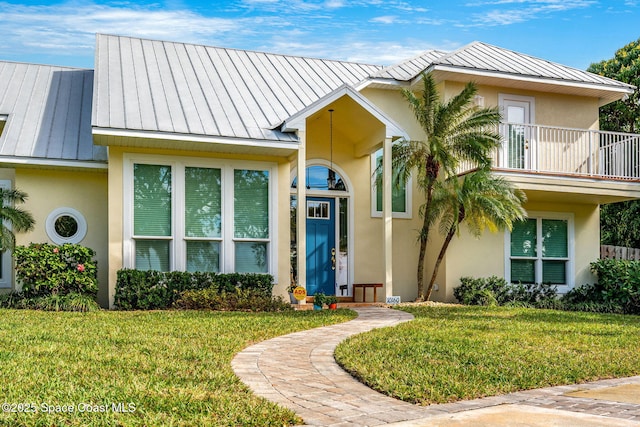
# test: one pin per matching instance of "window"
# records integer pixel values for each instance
(6, 272)
(318, 210)
(540, 250)
(66, 225)
(199, 217)
(400, 194)
(251, 219)
(203, 218)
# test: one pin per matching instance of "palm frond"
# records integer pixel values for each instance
(13, 218)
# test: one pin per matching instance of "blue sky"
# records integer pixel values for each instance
(572, 32)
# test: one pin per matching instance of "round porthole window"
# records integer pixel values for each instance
(66, 225)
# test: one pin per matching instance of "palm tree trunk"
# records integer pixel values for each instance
(424, 237)
(445, 245)
(443, 250)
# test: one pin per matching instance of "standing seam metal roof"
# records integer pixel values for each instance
(483, 57)
(48, 113)
(159, 86)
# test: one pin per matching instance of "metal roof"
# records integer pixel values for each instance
(48, 114)
(411, 68)
(479, 57)
(180, 88)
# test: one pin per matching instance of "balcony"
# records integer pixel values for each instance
(568, 152)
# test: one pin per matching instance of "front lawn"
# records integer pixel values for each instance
(163, 367)
(451, 353)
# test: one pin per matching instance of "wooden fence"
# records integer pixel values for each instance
(619, 252)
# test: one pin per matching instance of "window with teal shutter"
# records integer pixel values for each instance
(251, 204)
(554, 238)
(523, 271)
(554, 245)
(398, 190)
(554, 272)
(203, 218)
(205, 232)
(539, 251)
(524, 238)
(152, 200)
(251, 220)
(203, 202)
(152, 212)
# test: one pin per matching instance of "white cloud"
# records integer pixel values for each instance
(517, 11)
(385, 19)
(71, 29)
(376, 53)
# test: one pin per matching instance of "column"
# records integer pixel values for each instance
(301, 220)
(387, 231)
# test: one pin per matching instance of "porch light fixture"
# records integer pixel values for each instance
(331, 176)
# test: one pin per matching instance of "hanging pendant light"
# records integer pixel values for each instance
(331, 176)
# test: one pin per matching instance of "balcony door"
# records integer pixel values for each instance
(519, 147)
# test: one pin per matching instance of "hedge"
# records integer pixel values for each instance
(496, 291)
(148, 290)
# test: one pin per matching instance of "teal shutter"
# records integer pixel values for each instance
(523, 271)
(554, 272)
(151, 200)
(554, 238)
(524, 238)
(203, 202)
(251, 204)
(251, 220)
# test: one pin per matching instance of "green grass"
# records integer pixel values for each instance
(452, 353)
(174, 366)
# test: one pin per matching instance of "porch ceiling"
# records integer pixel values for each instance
(570, 189)
(354, 125)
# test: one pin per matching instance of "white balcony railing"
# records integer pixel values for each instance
(535, 148)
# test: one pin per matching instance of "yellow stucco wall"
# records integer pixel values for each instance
(551, 109)
(85, 192)
(484, 257)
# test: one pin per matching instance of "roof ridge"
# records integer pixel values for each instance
(63, 67)
(241, 50)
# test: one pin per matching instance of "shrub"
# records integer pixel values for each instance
(496, 291)
(617, 289)
(236, 300)
(45, 269)
(148, 290)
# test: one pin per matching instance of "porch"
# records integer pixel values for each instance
(579, 153)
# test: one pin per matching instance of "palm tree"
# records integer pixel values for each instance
(481, 200)
(13, 219)
(455, 131)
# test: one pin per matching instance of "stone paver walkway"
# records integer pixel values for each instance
(299, 372)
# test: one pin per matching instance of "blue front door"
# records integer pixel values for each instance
(321, 245)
